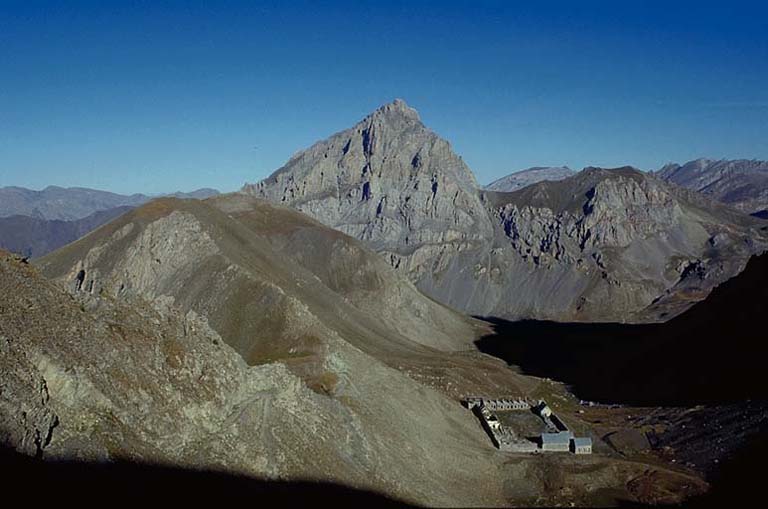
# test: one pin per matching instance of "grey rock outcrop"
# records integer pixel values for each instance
(741, 183)
(523, 178)
(610, 245)
(625, 242)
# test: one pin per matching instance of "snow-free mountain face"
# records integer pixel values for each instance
(391, 182)
(523, 178)
(741, 183)
(622, 241)
(73, 203)
(611, 245)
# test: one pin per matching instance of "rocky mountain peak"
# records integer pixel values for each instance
(602, 244)
(388, 180)
(398, 107)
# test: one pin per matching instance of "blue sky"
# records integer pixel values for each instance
(162, 96)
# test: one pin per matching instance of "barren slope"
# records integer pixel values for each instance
(100, 378)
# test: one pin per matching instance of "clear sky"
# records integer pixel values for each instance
(162, 96)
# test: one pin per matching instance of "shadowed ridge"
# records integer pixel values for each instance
(713, 353)
(36, 237)
(93, 484)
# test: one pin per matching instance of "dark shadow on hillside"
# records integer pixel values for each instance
(91, 484)
(714, 353)
(739, 481)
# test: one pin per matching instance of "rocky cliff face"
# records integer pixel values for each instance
(613, 245)
(617, 245)
(741, 183)
(523, 178)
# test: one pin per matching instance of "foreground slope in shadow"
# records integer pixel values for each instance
(713, 353)
(95, 483)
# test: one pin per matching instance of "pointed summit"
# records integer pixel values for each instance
(388, 180)
(398, 107)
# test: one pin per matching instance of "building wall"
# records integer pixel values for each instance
(559, 447)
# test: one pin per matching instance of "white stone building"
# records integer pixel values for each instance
(582, 445)
(556, 442)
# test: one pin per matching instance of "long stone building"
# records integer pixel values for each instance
(556, 438)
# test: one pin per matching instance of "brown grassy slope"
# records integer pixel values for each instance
(247, 285)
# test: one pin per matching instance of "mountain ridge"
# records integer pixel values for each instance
(73, 203)
(392, 183)
(741, 183)
(526, 177)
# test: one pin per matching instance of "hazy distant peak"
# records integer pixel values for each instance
(523, 178)
(742, 183)
(72, 203)
(668, 167)
(202, 193)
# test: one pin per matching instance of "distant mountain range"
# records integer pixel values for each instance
(523, 178)
(33, 223)
(605, 245)
(71, 203)
(741, 183)
(33, 237)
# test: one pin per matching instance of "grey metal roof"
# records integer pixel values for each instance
(582, 442)
(563, 437)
